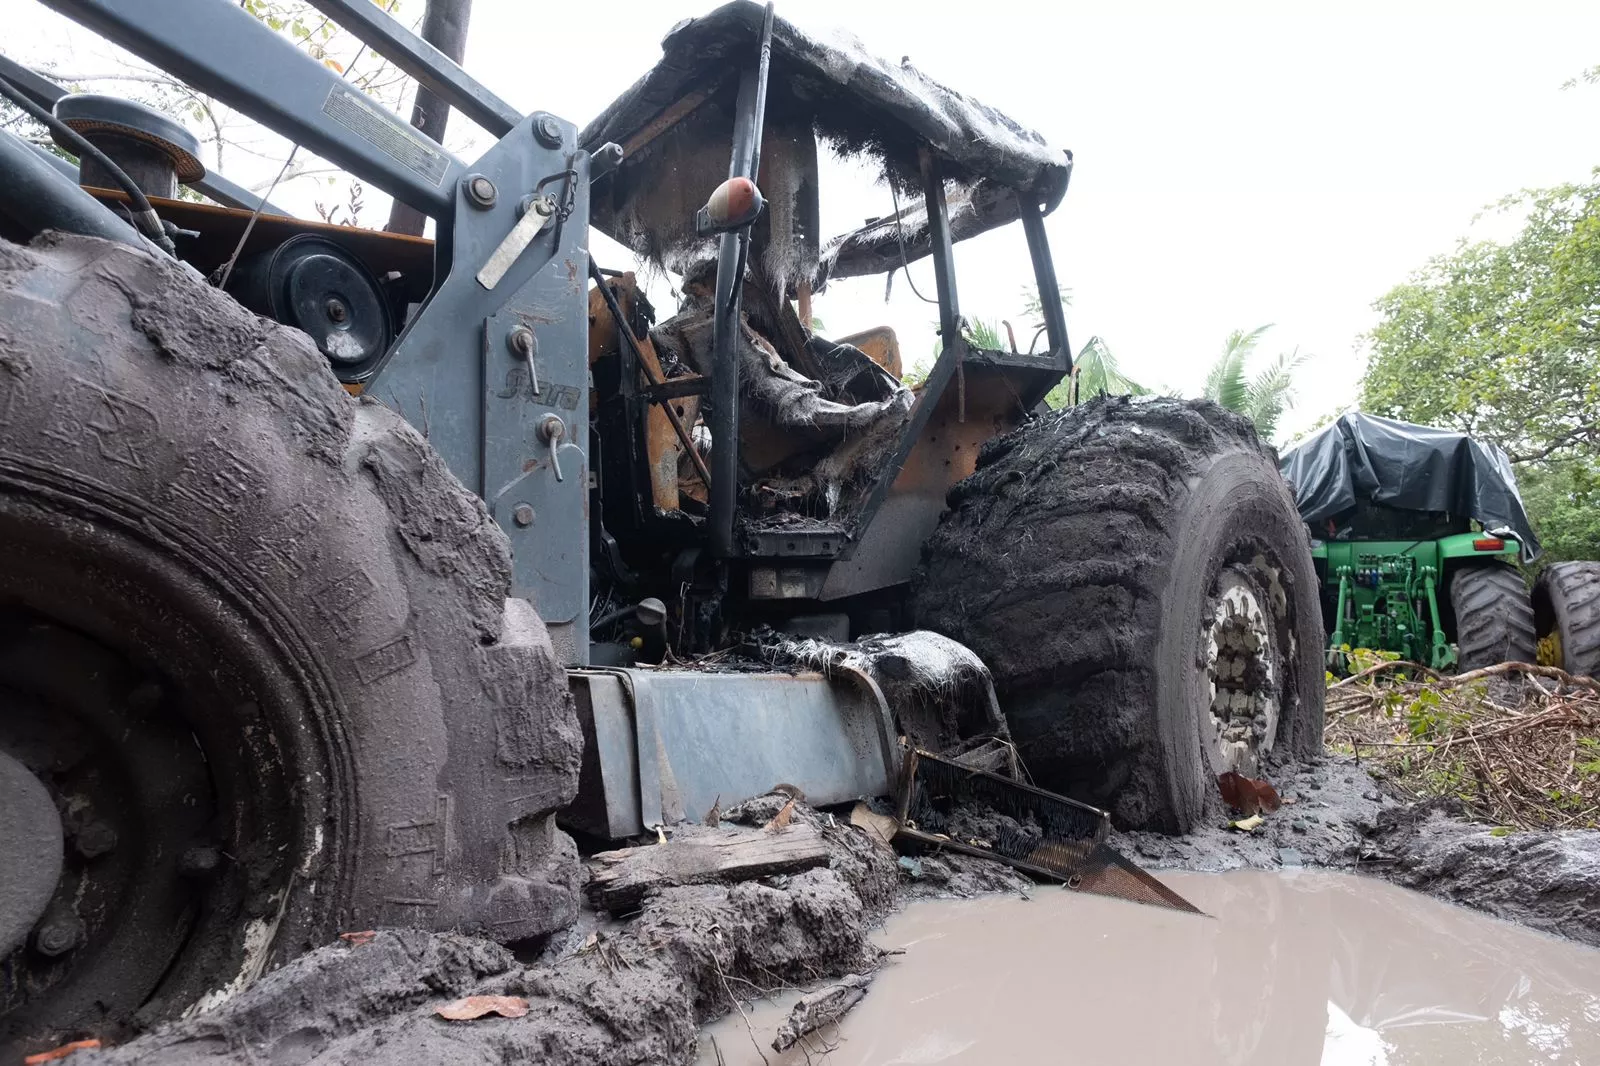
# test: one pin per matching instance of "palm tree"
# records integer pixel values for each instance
(1094, 371)
(1263, 398)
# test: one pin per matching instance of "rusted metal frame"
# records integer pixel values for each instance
(944, 271)
(625, 331)
(675, 388)
(371, 25)
(726, 322)
(1044, 273)
(952, 353)
(663, 122)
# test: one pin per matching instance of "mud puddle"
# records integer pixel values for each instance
(1293, 968)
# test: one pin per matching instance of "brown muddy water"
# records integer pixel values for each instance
(1292, 968)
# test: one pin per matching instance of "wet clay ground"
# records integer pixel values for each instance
(1291, 968)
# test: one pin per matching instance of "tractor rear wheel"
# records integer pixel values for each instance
(1494, 616)
(1566, 610)
(1137, 579)
(260, 681)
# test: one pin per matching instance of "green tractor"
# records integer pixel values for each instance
(1416, 535)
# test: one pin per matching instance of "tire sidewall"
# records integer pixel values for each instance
(1238, 504)
(429, 712)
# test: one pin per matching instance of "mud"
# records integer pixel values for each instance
(640, 990)
(1289, 969)
(1331, 807)
(1544, 880)
(633, 992)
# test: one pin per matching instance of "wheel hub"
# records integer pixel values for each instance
(103, 790)
(30, 850)
(1239, 646)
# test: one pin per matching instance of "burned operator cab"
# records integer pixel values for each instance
(804, 502)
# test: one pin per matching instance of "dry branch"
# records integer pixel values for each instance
(822, 1007)
(1532, 761)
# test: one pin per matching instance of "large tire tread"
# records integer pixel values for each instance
(1494, 616)
(1052, 563)
(1567, 602)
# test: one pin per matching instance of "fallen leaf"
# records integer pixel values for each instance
(60, 1052)
(589, 943)
(463, 1010)
(780, 820)
(1245, 825)
(1248, 795)
(878, 827)
(714, 815)
(360, 939)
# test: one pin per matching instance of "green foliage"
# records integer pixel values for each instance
(1033, 307)
(1563, 499)
(1096, 371)
(1502, 341)
(1263, 398)
(1589, 751)
(1366, 658)
(986, 335)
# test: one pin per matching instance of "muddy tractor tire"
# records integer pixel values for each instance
(1566, 610)
(1136, 577)
(256, 651)
(1494, 617)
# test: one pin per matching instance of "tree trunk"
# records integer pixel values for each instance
(444, 25)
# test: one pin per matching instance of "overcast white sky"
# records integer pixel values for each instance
(1237, 164)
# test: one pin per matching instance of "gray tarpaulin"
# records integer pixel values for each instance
(1406, 466)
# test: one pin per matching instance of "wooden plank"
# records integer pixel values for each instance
(618, 880)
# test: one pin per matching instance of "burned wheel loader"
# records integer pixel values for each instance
(338, 565)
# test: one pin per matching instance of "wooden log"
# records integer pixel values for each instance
(618, 880)
(820, 1008)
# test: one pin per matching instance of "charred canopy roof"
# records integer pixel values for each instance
(858, 102)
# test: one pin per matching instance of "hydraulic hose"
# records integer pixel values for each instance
(38, 197)
(144, 215)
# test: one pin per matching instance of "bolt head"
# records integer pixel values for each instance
(480, 190)
(548, 131)
(522, 515)
(521, 341)
(336, 310)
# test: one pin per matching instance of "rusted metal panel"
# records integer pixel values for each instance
(880, 345)
(707, 736)
(946, 452)
(663, 448)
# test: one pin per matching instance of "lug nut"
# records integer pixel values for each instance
(336, 310)
(95, 839)
(200, 861)
(57, 936)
